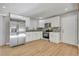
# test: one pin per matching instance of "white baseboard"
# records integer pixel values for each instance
(78, 46)
(7, 43)
(2, 44)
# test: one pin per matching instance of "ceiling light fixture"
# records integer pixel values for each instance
(40, 17)
(3, 6)
(66, 9)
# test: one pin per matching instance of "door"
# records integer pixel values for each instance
(21, 38)
(21, 32)
(21, 27)
(69, 29)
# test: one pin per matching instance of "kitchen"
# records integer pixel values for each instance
(43, 27)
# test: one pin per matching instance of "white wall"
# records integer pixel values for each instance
(78, 28)
(1, 31)
(4, 30)
(7, 28)
(69, 28)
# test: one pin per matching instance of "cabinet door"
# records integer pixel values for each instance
(56, 37)
(31, 36)
(57, 23)
(51, 36)
(28, 37)
(40, 35)
(36, 35)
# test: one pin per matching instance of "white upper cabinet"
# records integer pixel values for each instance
(55, 21)
(27, 22)
(41, 23)
(33, 24)
(18, 17)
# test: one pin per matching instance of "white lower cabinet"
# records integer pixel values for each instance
(54, 37)
(28, 36)
(31, 36)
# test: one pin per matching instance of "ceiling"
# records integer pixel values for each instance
(37, 9)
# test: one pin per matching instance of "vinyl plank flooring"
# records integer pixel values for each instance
(39, 48)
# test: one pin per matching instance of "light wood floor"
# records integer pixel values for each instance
(40, 48)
